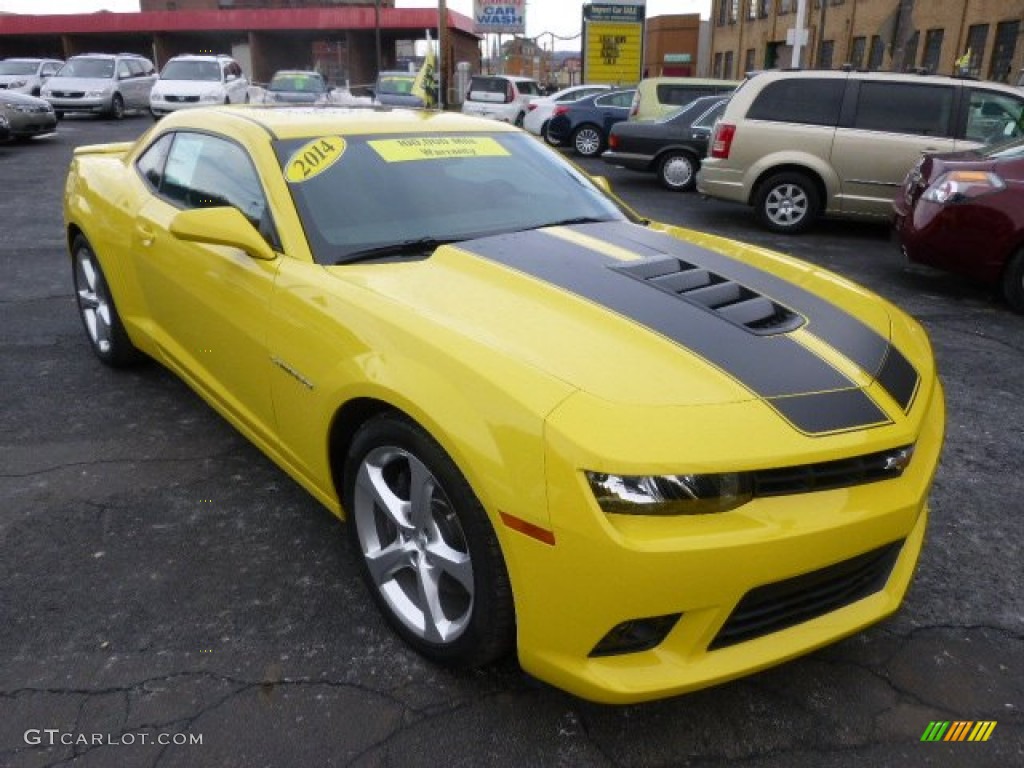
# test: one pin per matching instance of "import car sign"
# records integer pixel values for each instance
(501, 16)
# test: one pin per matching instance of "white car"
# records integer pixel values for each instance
(500, 97)
(539, 110)
(196, 81)
(27, 75)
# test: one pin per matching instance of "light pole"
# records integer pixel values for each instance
(376, 20)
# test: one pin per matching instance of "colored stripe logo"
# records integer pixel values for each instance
(958, 730)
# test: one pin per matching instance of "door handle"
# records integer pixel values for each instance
(146, 234)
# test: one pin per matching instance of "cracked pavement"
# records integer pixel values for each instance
(159, 576)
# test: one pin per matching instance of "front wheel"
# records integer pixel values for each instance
(117, 107)
(1013, 282)
(587, 141)
(428, 552)
(547, 136)
(787, 202)
(677, 171)
(103, 326)
(519, 119)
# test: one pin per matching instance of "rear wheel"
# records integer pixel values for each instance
(1013, 282)
(677, 171)
(787, 202)
(587, 140)
(102, 323)
(429, 554)
(117, 107)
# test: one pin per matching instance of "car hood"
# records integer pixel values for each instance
(599, 307)
(188, 87)
(15, 98)
(79, 83)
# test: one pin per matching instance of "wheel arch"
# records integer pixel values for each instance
(674, 149)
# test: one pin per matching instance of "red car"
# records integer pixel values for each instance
(964, 213)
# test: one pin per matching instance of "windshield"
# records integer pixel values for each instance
(396, 84)
(103, 68)
(17, 67)
(191, 70)
(298, 82)
(366, 193)
(1004, 151)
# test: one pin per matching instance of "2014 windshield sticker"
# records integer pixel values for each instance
(313, 158)
(437, 148)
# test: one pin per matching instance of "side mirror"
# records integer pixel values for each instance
(222, 225)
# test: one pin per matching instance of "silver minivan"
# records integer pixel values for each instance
(101, 83)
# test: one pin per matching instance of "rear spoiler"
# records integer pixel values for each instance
(118, 148)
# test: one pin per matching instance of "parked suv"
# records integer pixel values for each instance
(101, 83)
(660, 96)
(500, 97)
(197, 81)
(795, 145)
(27, 75)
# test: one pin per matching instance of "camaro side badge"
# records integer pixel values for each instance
(292, 372)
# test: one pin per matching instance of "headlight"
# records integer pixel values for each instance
(670, 494)
(959, 186)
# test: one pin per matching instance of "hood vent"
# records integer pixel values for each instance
(726, 298)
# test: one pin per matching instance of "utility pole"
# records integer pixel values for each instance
(442, 43)
(376, 25)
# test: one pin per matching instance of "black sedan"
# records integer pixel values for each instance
(585, 124)
(671, 147)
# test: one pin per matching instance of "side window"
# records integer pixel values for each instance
(912, 108)
(993, 117)
(150, 164)
(49, 70)
(137, 68)
(812, 101)
(204, 171)
(623, 99)
(123, 70)
(708, 118)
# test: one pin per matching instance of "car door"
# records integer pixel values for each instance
(613, 108)
(885, 127)
(209, 304)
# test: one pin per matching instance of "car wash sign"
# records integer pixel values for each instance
(613, 43)
(506, 17)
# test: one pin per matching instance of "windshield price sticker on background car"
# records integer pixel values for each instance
(437, 148)
(314, 157)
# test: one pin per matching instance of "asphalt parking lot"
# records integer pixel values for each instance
(161, 580)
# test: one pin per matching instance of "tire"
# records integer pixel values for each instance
(587, 141)
(102, 323)
(787, 202)
(1013, 282)
(58, 114)
(450, 554)
(547, 136)
(117, 107)
(677, 171)
(519, 119)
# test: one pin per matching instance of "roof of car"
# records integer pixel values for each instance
(288, 122)
(202, 57)
(902, 77)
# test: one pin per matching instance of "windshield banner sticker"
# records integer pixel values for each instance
(313, 158)
(437, 148)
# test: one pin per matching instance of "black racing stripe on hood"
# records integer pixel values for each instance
(841, 330)
(769, 366)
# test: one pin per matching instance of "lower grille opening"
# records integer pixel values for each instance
(783, 604)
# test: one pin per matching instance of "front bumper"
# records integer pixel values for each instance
(92, 104)
(605, 570)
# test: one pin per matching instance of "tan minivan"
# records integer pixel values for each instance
(798, 144)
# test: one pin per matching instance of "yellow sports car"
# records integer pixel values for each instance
(647, 459)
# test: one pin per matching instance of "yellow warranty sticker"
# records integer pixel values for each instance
(313, 158)
(437, 148)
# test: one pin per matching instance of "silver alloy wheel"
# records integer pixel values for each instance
(93, 301)
(413, 544)
(677, 172)
(786, 205)
(587, 141)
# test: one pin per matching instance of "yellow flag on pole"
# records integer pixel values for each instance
(425, 86)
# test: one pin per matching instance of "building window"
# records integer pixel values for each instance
(826, 53)
(734, 11)
(857, 52)
(932, 49)
(910, 51)
(977, 36)
(1003, 50)
(718, 65)
(723, 10)
(752, 10)
(785, 6)
(748, 61)
(877, 52)
(727, 72)
(764, 8)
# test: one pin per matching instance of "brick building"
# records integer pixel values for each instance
(672, 45)
(895, 35)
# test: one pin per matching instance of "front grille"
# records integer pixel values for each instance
(183, 99)
(774, 607)
(68, 94)
(827, 475)
(726, 298)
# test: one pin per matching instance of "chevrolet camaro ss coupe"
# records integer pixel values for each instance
(643, 458)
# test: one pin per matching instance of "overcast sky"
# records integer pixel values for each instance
(561, 17)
